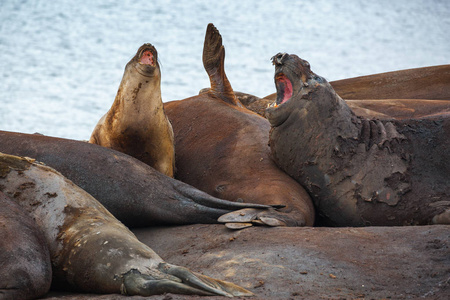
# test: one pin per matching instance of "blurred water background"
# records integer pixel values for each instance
(61, 62)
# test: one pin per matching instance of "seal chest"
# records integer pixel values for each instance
(136, 123)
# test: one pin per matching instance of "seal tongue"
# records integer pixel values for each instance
(147, 58)
(284, 89)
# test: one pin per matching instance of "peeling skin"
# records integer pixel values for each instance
(90, 249)
(358, 171)
(136, 123)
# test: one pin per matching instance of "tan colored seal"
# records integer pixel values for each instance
(136, 123)
(89, 248)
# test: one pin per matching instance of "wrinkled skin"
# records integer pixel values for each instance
(222, 147)
(90, 249)
(132, 191)
(26, 270)
(358, 171)
(136, 123)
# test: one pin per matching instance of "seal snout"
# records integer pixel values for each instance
(279, 59)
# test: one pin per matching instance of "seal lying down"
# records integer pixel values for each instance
(90, 249)
(132, 191)
(358, 171)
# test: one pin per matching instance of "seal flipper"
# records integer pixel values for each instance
(180, 280)
(214, 64)
(248, 216)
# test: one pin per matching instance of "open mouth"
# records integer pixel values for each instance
(284, 88)
(147, 58)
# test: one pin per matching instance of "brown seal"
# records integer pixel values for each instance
(222, 147)
(26, 270)
(418, 83)
(136, 123)
(90, 249)
(411, 93)
(399, 108)
(132, 191)
(358, 171)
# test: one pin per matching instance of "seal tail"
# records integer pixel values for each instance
(213, 61)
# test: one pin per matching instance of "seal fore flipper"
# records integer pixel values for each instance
(214, 64)
(249, 216)
(190, 283)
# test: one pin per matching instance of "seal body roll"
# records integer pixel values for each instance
(358, 171)
(26, 270)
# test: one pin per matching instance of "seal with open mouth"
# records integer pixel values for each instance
(358, 171)
(222, 147)
(136, 123)
(403, 94)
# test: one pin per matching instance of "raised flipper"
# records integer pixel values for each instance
(214, 63)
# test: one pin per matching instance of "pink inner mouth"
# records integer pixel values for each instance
(286, 88)
(147, 58)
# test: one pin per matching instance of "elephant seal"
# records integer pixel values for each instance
(418, 83)
(26, 270)
(222, 147)
(90, 249)
(358, 171)
(132, 191)
(406, 90)
(368, 108)
(136, 123)
(399, 108)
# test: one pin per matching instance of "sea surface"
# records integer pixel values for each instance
(61, 62)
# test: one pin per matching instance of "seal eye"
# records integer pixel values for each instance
(147, 58)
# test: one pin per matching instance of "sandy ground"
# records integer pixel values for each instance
(308, 263)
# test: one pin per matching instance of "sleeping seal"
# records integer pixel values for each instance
(90, 249)
(131, 190)
(26, 270)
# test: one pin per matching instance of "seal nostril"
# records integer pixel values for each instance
(278, 58)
